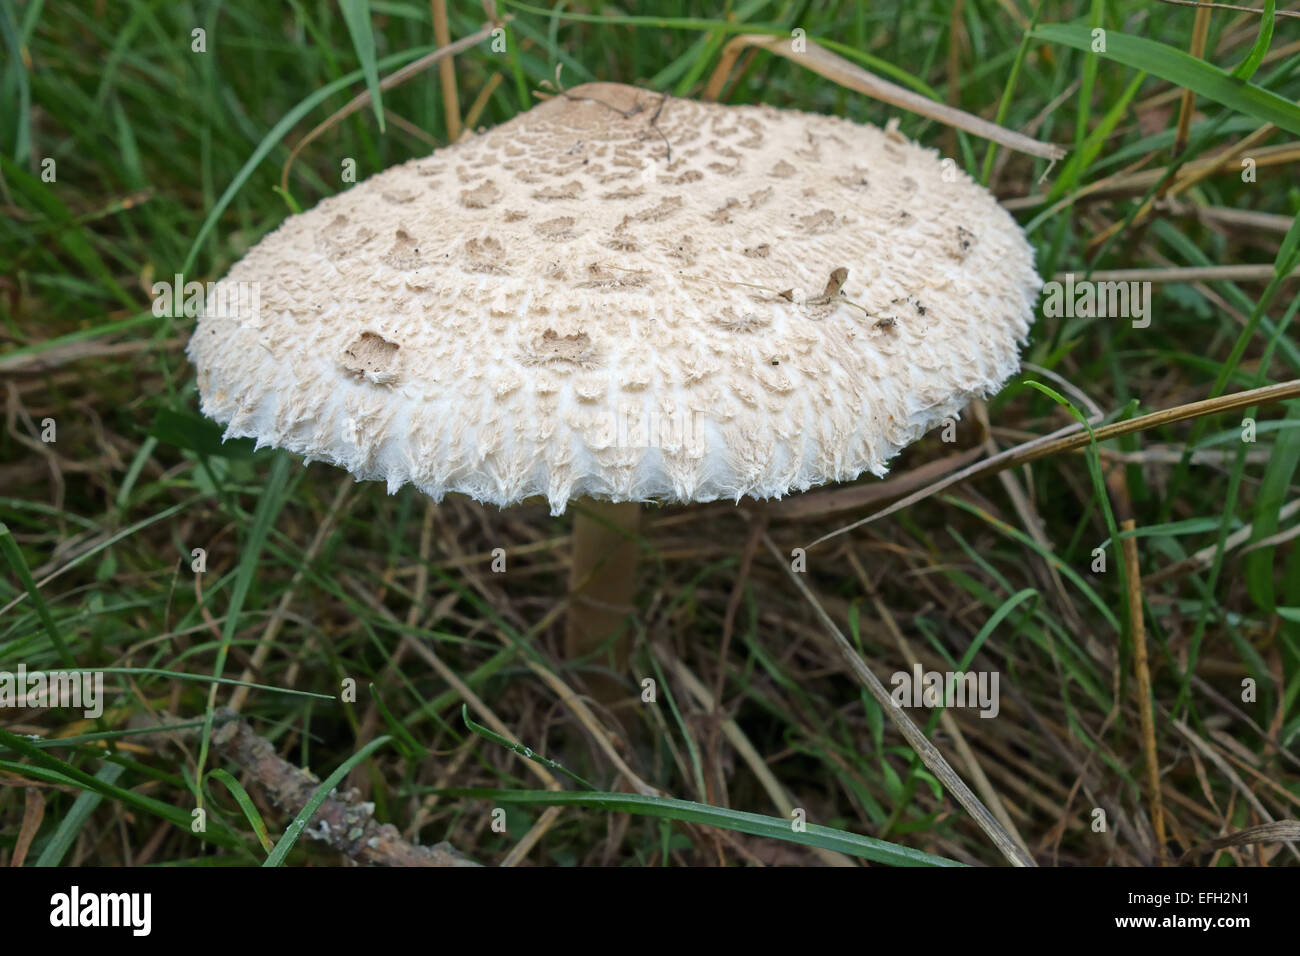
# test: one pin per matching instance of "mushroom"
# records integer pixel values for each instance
(620, 297)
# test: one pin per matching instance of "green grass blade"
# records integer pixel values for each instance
(1272, 496)
(1182, 69)
(523, 751)
(1253, 59)
(1008, 93)
(22, 114)
(14, 555)
(44, 766)
(71, 235)
(286, 842)
(1081, 159)
(245, 804)
(271, 139)
(687, 811)
(356, 13)
(71, 824)
(269, 504)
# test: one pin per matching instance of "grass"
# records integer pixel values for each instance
(366, 635)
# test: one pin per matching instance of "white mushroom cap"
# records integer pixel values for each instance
(629, 297)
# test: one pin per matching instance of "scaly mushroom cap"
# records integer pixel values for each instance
(626, 296)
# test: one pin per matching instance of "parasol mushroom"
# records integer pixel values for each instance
(619, 297)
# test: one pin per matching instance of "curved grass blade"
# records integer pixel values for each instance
(14, 555)
(1098, 481)
(1182, 69)
(81, 739)
(277, 133)
(294, 830)
(523, 751)
(1170, 529)
(71, 824)
(687, 811)
(1007, 606)
(1246, 69)
(206, 679)
(18, 80)
(1273, 490)
(273, 497)
(356, 13)
(45, 767)
(246, 804)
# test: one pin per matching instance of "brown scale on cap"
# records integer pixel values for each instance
(480, 320)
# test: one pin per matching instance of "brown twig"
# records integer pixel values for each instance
(346, 826)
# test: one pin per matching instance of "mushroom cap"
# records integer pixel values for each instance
(627, 296)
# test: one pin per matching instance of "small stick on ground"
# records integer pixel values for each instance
(346, 826)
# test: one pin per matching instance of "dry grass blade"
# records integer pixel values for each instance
(583, 713)
(1197, 741)
(1227, 6)
(950, 726)
(530, 839)
(1075, 436)
(481, 710)
(1205, 557)
(928, 752)
(446, 70)
(33, 814)
(481, 101)
(1237, 273)
(1186, 179)
(819, 504)
(753, 759)
(1199, 34)
(1281, 831)
(851, 76)
(1143, 671)
(1139, 180)
(33, 363)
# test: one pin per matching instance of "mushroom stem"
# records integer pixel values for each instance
(602, 589)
